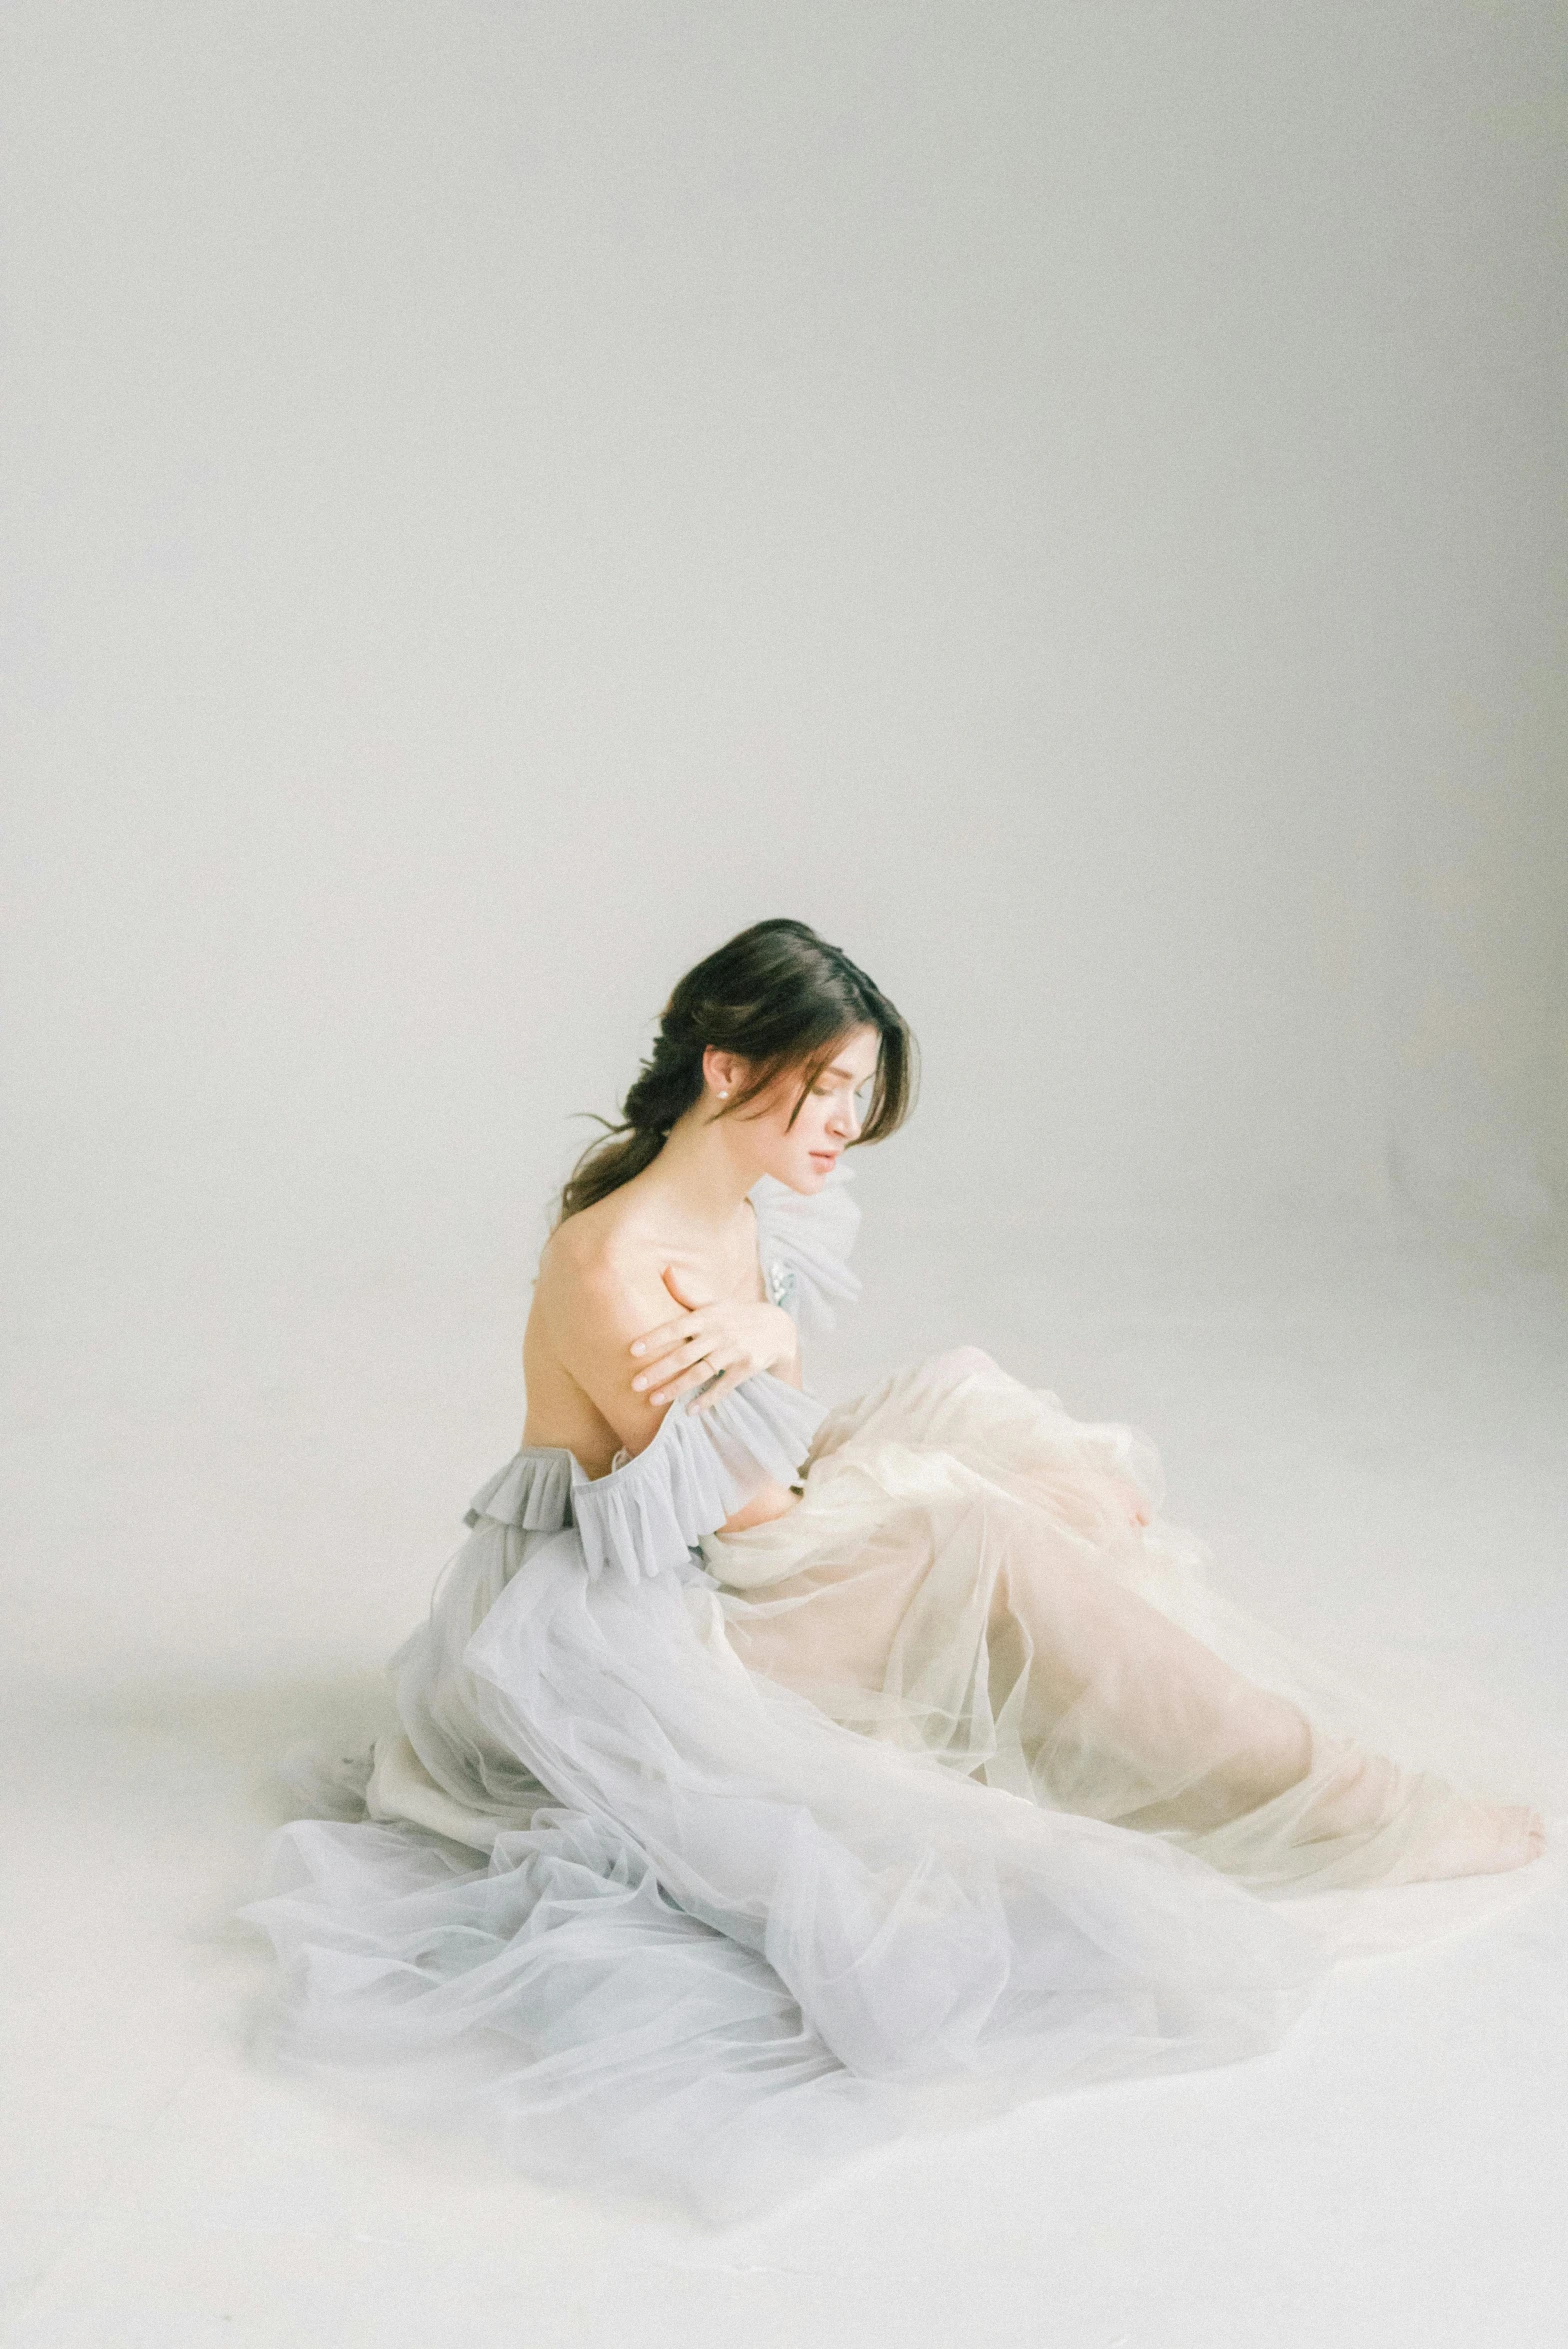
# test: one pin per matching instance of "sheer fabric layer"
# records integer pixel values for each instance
(965, 1576)
(645, 1517)
(803, 1243)
(700, 1862)
(719, 1939)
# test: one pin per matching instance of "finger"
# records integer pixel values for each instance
(697, 1375)
(690, 1350)
(723, 1385)
(654, 1341)
(684, 1287)
(678, 1385)
(726, 1368)
(677, 1334)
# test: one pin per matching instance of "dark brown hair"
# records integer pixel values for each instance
(779, 997)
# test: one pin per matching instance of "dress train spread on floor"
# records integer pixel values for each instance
(700, 1861)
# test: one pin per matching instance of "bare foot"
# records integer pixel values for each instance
(1450, 1835)
(1488, 1838)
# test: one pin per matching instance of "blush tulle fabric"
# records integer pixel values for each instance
(700, 1862)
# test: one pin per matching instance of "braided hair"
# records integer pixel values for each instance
(777, 996)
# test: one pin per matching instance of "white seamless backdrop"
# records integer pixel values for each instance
(1068, 499)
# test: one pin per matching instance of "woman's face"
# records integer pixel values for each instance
(831, 1115)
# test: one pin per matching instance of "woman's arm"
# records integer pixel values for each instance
(591, 1301)
(593, 1306)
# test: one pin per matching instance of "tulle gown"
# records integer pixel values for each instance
(698, 1862)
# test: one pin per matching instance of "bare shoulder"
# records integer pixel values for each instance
(600, 1286)
(601, 1264)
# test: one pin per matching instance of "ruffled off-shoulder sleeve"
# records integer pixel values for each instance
(700, 1468)
(804, 1242)
(533, 1491)
(646, 1517)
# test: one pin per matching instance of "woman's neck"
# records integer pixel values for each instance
(703, 1172)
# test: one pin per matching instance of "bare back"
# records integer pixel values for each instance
(600, 1285)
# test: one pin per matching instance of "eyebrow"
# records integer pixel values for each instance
(849, 1072)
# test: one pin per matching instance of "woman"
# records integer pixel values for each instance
(770, 1780)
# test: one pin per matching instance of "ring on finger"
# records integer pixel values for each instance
(682, 1379)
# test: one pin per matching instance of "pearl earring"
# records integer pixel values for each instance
(724, 1092)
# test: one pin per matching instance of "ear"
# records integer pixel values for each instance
(723, 1072)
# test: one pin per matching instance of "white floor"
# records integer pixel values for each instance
(228, 1506)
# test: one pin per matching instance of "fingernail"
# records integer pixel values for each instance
(638, 1347)
(639, 1382)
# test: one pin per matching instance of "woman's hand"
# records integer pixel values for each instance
(720, 1341)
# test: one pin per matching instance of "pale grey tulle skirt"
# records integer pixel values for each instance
(950, 1788)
